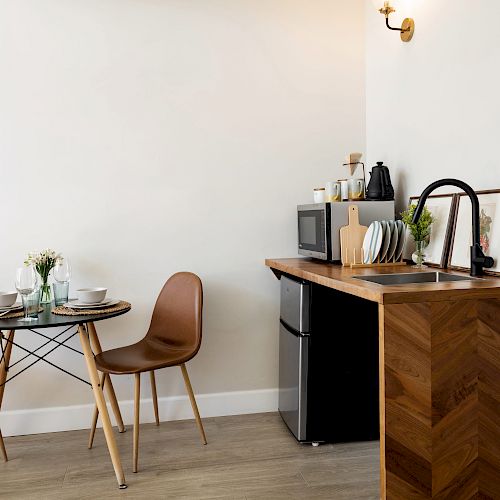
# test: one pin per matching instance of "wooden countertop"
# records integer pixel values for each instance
(341, 278)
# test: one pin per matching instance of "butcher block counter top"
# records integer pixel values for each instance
(439, 379)
(341, 278)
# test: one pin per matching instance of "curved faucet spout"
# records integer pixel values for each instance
(476, 236)
(478, 259)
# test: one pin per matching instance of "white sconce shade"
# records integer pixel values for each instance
(380, 4)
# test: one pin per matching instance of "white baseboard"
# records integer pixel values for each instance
(69, 418)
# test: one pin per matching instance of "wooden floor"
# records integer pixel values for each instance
(247, 457)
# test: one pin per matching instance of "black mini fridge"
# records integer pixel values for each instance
(328, 364)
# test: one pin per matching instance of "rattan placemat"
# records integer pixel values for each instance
(67, 311)
(17, 314)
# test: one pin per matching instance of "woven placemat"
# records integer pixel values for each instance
(67, 311)
(17, 314)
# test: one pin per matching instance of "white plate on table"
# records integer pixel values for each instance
(13, 307)
(96, 305)
(372, 242)
(81, 303)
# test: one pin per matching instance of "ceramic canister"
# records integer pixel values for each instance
(319, 195)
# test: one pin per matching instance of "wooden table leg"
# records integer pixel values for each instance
(95, 416)
(109, 386)
(101, 405)
(4, 365)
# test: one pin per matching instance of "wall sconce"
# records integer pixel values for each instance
(407, 27)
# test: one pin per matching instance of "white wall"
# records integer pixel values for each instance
(141, 138)
(433, 104)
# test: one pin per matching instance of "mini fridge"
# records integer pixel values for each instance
(328, 374)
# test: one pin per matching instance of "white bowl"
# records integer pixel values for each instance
(91, 295)
(7, 299)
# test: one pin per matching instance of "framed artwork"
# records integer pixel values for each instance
(489, 213)
(443, 207)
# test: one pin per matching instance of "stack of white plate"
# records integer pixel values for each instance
(13, 307)
(76, 304)
(384, 241)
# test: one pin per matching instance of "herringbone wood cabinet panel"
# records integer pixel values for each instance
(441, 377)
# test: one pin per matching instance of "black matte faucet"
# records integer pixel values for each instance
(477, 258)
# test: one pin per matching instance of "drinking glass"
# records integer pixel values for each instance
(60, 293)
(62, 271)
(31, 304)
(26, 285)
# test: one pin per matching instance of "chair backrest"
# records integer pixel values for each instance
(176, 318)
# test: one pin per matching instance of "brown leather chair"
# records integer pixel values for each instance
(173, 338)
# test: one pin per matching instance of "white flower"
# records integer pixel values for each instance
(43, 261)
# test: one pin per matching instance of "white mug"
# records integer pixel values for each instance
(333, 192)
(356, 189)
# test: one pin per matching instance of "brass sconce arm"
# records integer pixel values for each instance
(394, 29)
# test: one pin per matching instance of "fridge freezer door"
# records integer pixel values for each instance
(295, 304)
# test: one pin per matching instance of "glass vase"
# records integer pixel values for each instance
(418, 255)
(45, 293)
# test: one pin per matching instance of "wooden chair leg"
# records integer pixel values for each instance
(154, 396)
(193, 403)
(137, 403)
(2, 445)
(104, 377)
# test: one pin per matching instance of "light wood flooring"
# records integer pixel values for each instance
(247, 457)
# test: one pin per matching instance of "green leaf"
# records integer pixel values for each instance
(422, 229)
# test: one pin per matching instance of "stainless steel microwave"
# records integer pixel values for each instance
(319, 225)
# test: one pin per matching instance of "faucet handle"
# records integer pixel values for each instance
(488, 262)
(479, 260)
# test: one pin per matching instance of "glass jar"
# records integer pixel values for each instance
(418, 255)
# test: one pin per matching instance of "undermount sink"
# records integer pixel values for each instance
(412, 278)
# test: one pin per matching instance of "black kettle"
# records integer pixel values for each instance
(380, 186)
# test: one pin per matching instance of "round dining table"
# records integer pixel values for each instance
(82, 325)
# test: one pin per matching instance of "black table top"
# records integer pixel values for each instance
(48, 320)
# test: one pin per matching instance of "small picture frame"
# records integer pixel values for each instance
(461, 241)
(443, 208)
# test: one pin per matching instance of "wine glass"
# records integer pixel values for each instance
(26, 284)
(62, 271)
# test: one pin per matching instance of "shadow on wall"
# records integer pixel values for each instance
(236, 308)
(401, 183)
(401, 205)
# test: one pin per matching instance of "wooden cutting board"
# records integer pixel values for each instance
(351, 238)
